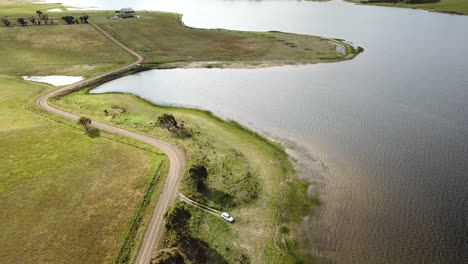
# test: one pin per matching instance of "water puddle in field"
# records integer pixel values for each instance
(55, 80)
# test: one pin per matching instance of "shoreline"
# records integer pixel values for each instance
(289, 201)
(408, 6)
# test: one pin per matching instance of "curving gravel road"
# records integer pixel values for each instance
(176, 156)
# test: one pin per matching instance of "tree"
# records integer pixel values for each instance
(168, 256)
(199, 175)
(177, 218)
(69, 19)
(39, 14)
(84, 121)
(22, 21)
(46, 19)
(84, 19)
(6, 22)
(33, 20)
(169, 122)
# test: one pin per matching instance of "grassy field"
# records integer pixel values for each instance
(64, 197)
(237, 160)
(162, 39)
(446, 6)
(53, 49)
(57, 50)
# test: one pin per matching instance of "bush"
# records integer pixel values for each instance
(85, 122)
(177, 217)
(178, 235)
(169, 122)
(199, 174)
(168, 256)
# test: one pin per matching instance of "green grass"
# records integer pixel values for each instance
(68, 197)
(446, 6)
(23, 8)
(58, 50)
(65, 197)
(162, 39)
(229, 151)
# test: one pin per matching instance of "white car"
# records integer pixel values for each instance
(227, 217)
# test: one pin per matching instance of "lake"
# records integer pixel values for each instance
(385, 135)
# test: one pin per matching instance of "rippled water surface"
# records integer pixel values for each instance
(386, 134)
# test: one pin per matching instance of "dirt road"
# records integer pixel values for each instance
(199, 205)
(176, 156)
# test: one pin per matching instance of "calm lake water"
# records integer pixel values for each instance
(385, 135)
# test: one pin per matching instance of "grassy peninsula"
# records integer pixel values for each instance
(165, 41)
(444, 6)
(236, 159)
(68, 196)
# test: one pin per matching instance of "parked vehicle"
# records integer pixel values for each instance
(227, 217)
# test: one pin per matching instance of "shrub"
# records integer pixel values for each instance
(168, 256)
(85, 122)
(177, 217)
(199, 174)
(169, 122)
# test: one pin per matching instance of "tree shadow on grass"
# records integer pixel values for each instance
(220, 198)
(93, 132)
(199, 251)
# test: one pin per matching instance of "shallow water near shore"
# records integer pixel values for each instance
(385, 135)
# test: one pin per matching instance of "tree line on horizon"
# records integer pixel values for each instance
(43, 19)
(401, 1)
